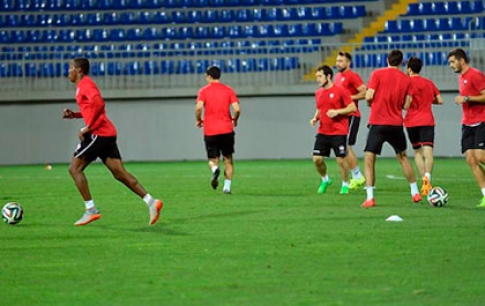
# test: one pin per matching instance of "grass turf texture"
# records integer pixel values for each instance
(274, 241)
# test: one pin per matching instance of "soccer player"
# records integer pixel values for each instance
(98, 139)
(419, 121)
(333, 104)
(351, 81)
(214, 102)
(472, 99)
(386, 95)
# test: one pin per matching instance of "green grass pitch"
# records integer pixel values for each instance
(274, 241)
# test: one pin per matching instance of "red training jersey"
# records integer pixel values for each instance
(423, 92)
(350, 81)
(391, 86)
(85, 93)
(217, 99)
(335, 97)
(472, 82)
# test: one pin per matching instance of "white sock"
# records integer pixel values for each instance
(370, 192)
(89, 204)
(483, 191)
(345, 184)
(356, 174)
(227, 185)
(213, 167)
(325, 178)
(414, 188)
(428, 175)
(148, 199)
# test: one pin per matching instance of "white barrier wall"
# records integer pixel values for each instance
(158, 130)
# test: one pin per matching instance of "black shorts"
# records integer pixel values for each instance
(378, 134)
(472, 137)
(354, 123)
(421, 136)
(216, 145)
(94, 146)
(323, 144)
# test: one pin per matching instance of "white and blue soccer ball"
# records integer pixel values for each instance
(12, 213)
(437, 197)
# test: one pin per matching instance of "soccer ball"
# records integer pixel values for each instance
(12, 213)
(437, 197)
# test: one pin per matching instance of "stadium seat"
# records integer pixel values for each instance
(209, 16)
(451, 8)
(186, 32)
(151, 33)
(156, 4)
(194, 17)
(114, 68)
(413, 9)
(178, 16)
(217, 32)
(13, 20)
(161, 17)
(73, 4)
(116, 34)
(151, 68)
(172, 3)
(439, 8)
(144, 17)
(134, 34)
(271, 14)
(169, 33)
(201, 32)
(257, 15)
(465, 7)
(243, 15)
(477, 6)
(225, 15)
(167, 67)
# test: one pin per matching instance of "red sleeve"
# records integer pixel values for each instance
(357, 81)
(234, 97)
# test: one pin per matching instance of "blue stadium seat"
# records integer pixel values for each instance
(234, 31)
(417, 25)
(271, 14)
(144, 17)
(161, 17)
(186, 32)
(216, 3)
(73, 4)
(465, 7)
(27, 20)
(178, 16)
(185, 67)
(49, 36)
(425, 9)
(114, 68)
(194, 16)
(76, 20)
(243, 15)
(160, 49)
(13, 20)
(132, 68)
(156, 4)
(201, 65)
(280, 30)
(334, 12)
(167, 67)
(209, 16)
(451, 8)
(288, 13)
(30, 69)
(439, 8)
(116, 34)
(111, 18)
(88, 4)
(225, 15)
(169, 33)
(172, 3)
(217, 32)
(7, 5)
(257, 15)
(151, 68)
(249, 30)
(413, 9)
(134, 34)
(201, 3)
(106, 4)
(23, 5)
(232, 3)
(359, 11)
(201, 32)
(478, 6)
(137, 4)
(151, 33)
(127, 18)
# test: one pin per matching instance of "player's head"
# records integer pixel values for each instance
(414, 64)
(213, 73)
(78, 67)
(394, 58)
(458, 59)
(343, 61)
(324, 75)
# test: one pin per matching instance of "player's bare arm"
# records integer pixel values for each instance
(315, 118)
(369, 96)
(236, 110)
(407, 102)
(438, 100)
(477, 99)
(360, 95)
(331, 113)
(199, 106)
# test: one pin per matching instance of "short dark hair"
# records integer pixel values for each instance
(415, 64)
(458, 53)
(214, 72)
(346, 55)
(395, 58)
(326, 70)
(82, 63)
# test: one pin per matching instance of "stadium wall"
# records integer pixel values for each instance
(162, 130)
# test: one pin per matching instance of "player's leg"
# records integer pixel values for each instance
(84, 154)
(419, 160)
(426, 136)
(358, 179)
(227, 150)
(397, 140)
(373, 147)
(117, 168)
(472, 139)
(321, 148)
(228, 173)
(339, 146)
(213, 153)
(473, 158)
